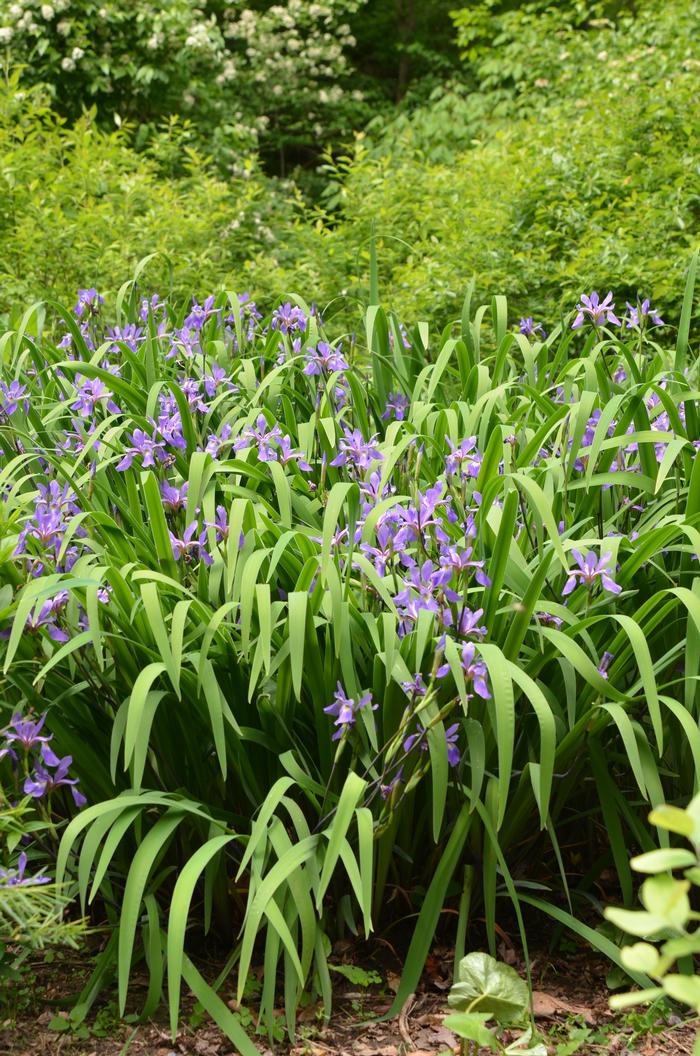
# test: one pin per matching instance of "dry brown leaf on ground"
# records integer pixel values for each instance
(360, 1049)
(546, 1006)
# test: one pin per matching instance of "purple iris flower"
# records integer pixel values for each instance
(47, 527)
(16, 877)
(26, 732)
(46, 618)
(642, 312)
(221, 526)
(261, 437)
(217, 377)
(355, 452)
(429, 582)
(468, 624)
(185, 342)
(597, 311)
(396, 406)
(475, 670)
(247, 313)
(341, 394)
(547, 619)
(345, 708)
(419, 738)
(89, 299)
(417, 519)
(170, 428)
(42, 782)
(173, 498)
(288, 319)
(190, 388)
(10, 397)
(462, 561)
(383, 553)
(146, 447)
(199, 313)
(215, 443)
(130, 335)
(386, 790)
(529, 327)
(416, 687)
(605, 661)
(92, 392)
(190, 547)
(589, 570)
(404, 337)
(53, 494)
(154, 305)
(464, 459)
(287, 454)
(323, 359)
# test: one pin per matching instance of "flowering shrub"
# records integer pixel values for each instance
(246, 75)
(326, 613)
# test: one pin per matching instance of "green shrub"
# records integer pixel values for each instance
(79, 205)
(665, 923)
(544, 191)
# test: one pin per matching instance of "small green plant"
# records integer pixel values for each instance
(668, 941)
(356, 975)
(487, 989)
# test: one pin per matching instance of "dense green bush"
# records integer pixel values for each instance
(597, 184)
(77, 204)
(592, 179)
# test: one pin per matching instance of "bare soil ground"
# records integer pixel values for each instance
(570, 1005)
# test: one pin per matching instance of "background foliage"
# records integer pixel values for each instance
(563, 154)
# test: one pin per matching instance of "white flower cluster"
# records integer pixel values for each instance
(281, 65)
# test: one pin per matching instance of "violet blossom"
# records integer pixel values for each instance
(605, 661)
(355, 452)
(145, 447)
(464, 459)
(419, 739)
(288, 319)
(42, 782)
(589, 571)
(26, 732)
(597, 311)
(345, 708)
(475, 670)
(641, 313)
(396, 407)
(190, 547)
(529, 327)
(91, 393)
(89, 299)
(16, 877)
(173, 498)
(323, 359)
